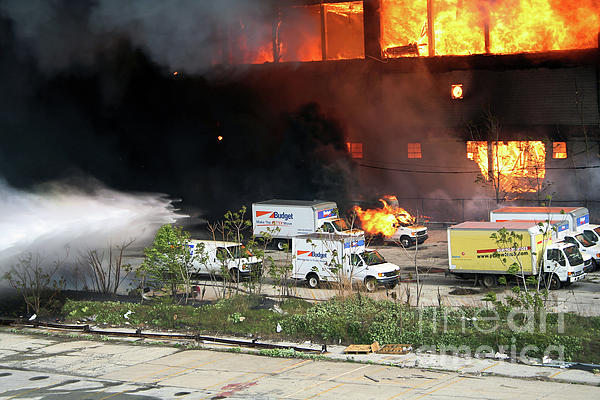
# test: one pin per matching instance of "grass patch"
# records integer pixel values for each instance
(359, 320)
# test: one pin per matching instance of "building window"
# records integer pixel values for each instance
(355, 149)
(559, 150)
(414, 150)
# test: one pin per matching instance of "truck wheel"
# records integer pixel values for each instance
(554, 283)
(489, 281)
(594, 266)
(312, 280)
(370, 284)
(281, 244)
(234, 273)
(405, 241)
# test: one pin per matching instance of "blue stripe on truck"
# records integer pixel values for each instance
(355, 243)
(583, 220)
(326, 213)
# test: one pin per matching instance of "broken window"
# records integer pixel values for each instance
(414, 150)
(559, 150)
(355, 149)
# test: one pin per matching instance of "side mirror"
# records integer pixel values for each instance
(562, 262)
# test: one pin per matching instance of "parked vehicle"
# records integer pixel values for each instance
(285, 219)
(218, 258)
(592, 232)
(473, 253)
(323, 257)
(384, 220)
(577, 218)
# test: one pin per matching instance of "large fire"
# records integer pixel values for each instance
(334, 31)
(517, 166)
(386, 219)
(463, 27)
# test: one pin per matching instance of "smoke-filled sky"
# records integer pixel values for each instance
(89, 92)
(178, 34)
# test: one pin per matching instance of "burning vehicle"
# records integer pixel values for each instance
(391, 222)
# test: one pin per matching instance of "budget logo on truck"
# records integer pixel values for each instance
(274, 214)
(309, 253)
(273, 218)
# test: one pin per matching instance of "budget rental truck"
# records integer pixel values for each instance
(472, 253)
(325, 257)
(578, 219)
(285, 219)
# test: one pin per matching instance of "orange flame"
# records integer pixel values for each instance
(384, 220)
(514, 26)
(518, 166)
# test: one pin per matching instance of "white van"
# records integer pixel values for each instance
(323, 257)
(219, 257)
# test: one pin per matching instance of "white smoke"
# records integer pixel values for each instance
(58, 217)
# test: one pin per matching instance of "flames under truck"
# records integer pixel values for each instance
(473, 253)
(285, 219)
(325, 257)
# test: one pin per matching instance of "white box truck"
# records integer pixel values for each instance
(473, 253)
(578, 219)
(325, 257)
(219, 257)
(285, 219)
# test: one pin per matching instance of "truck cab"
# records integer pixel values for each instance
(592, 233)
(563, 263)
(370, 267)
(587, 247)
(408, 235)
(339, 226)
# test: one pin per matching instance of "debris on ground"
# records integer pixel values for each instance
(362, 348)
(395, 349)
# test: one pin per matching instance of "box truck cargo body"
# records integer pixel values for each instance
(577, 217)
(324, 257)
(285, 219)
(472, 252)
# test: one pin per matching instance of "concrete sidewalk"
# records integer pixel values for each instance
(49, 367)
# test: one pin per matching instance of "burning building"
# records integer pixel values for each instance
(452, 105)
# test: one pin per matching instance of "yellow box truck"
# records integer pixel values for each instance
(473, 253)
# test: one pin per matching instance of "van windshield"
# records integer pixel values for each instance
(590, 235)
(340, 225)
(239, 251)
(573, 255)
(584, 240)
(372, 257)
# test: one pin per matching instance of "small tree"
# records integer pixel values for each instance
(170, 259)
(35, 280)
(107, 271)
(512, 242)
